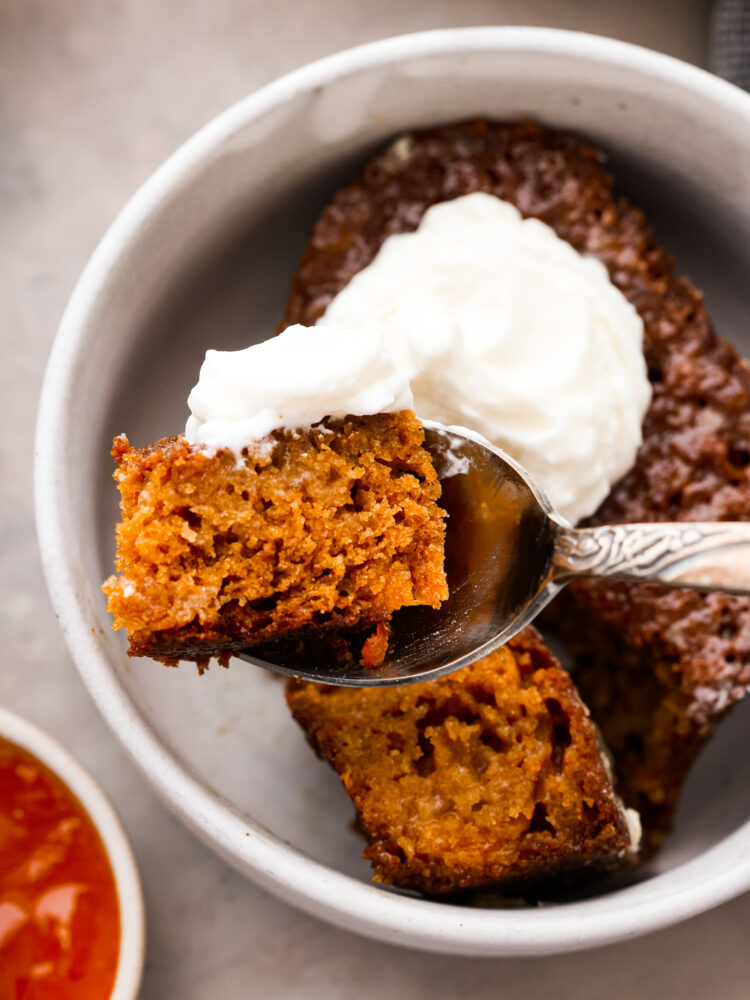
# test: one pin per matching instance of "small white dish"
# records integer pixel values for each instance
(202, 256)
(23, 734)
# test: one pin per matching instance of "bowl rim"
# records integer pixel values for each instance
(274, 864)
(79, 781)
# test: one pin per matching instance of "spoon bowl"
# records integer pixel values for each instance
(500, 541)
(507, 554)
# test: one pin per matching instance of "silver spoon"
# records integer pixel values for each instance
(508, 553)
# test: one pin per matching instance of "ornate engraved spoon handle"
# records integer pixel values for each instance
(706, 556)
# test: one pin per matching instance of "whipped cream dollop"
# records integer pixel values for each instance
(504, 328)
(292, 381)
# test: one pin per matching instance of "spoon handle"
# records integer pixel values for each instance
(705, 556)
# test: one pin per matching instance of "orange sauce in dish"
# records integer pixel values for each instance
(59, 913)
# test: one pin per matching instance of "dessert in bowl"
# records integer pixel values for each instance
(225, 262)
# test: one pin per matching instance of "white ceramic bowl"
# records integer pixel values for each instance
(201, 257)
(132, 924)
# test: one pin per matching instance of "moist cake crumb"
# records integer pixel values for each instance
(328, 528)
(490, 776)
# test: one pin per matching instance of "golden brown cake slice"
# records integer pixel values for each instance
(333, 527)
(490, 776)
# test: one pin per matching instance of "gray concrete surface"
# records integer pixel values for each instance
(93, 95)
